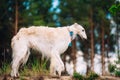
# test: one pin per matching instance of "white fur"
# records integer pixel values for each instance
(51, 42)
(56, 65)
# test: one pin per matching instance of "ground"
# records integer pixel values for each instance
(6, 77)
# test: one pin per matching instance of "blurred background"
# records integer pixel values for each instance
(100, 53)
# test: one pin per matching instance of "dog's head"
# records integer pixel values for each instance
(80, 30)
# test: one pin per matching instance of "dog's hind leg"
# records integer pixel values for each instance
(18, 59)
(25, 59)
(15, 66)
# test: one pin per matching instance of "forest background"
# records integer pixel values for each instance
(100, 18)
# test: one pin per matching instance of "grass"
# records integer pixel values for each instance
(78, 76)
(5, 69)
(35, 68)
(90, 76)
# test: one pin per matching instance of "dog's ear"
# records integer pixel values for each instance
(74, 27)
(75, 24)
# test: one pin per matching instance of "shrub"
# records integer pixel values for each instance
(77, 76)
(111, 68)
(92, 76)
(117, 73)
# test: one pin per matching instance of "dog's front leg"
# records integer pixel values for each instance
(56, 64)
(52, 66)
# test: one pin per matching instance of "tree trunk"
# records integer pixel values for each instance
(117, 32)
(103, 49)
(92, 39)
(16, 17)
(74, 54)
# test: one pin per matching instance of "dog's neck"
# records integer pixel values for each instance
(71, 33)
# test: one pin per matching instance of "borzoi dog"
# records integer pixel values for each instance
(51, 42)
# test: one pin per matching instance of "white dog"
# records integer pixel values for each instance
(51, 42)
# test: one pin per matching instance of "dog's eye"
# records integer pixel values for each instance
(83, 30)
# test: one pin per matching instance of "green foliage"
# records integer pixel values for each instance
(77, 11)
(44, 64)
(38, 22)
(111, 68)
(115, 8)
(35, 65)
(5, 68)
(77, 76)
(36, 68)
(92, 76)
(117, 73)
(114, 69)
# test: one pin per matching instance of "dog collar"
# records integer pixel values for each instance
(71, 34)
